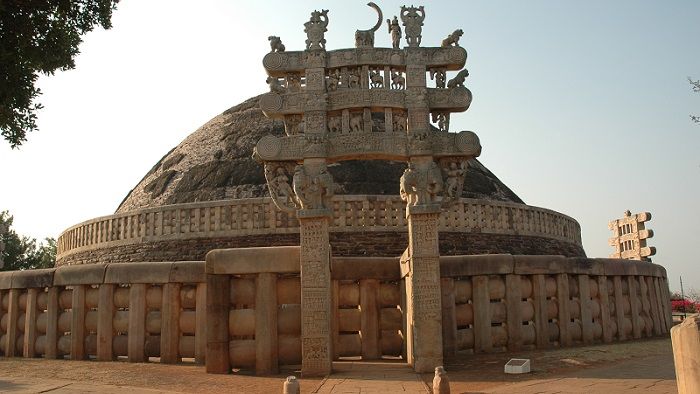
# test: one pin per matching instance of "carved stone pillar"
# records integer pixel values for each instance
(423, 288)
(316, 293)
(421, 269)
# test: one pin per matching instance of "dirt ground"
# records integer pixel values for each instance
(467, 373)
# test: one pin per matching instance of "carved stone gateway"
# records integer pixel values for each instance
(329, 118)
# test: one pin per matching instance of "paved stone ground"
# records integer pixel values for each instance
(643, 366)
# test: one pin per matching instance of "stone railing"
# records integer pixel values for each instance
(258, 216)
(489, 303)
(105, 311)
(494, 302)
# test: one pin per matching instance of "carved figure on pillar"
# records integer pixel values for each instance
(458, 80)
(452, 39)
(398, 121)
(333, 79)
(313, 192)
(354, 79)
(334, 124)
(315, 30)
(356, 123)
(275, 44)
(278, 184)
(294, 83)
(442, 119)
(454, 171)
(275, 85)
(412, 19)
(292, 124)
(365, 38)
(440, 76)
(420, 186)
(395, 31)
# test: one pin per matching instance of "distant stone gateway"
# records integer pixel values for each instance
(329, 218)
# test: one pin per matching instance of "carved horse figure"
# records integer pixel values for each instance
(365, 38)
(376, 80)
(397, 80)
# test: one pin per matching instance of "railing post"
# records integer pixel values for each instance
(137, 323)
(170, 324)
(266, 351)
(105, 324)
(28, 348)
(51, 351)
(77, 327)
(218, 306)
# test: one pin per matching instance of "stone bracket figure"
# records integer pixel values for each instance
(440, 76)
(365, 38)
(442, 119)
(454, 170)
(395, 31)
(412, 19)
(421, 185)
(278, 183)
(313, 191)
(315, 29)
(275, 85)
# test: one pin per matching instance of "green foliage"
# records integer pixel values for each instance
(39, 36)
(21, 252)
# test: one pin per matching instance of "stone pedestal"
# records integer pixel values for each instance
(686, 354)
(316, 340)
(423, 298)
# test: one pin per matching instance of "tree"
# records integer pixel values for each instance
(696, 88)
(39, 36)
(21, 252)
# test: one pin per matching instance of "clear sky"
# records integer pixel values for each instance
(581, 107)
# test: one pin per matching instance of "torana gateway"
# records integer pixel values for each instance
(324, 220)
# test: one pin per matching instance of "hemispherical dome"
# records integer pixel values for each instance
(215, 163)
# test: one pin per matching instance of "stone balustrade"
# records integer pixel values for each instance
(105, 311)
(258, 216)
(490, 303)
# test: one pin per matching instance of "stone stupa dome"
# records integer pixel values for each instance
(215, 163)
(208, 193)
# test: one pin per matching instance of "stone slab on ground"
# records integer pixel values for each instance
(628, 367)
(372, 377)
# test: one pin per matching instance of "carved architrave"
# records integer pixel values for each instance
(281, 63)
(398, 145)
